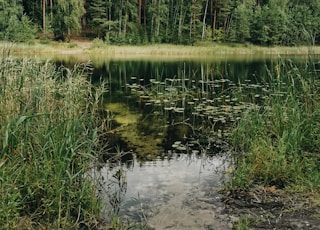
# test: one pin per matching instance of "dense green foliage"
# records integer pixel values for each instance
(66, 18)
(48, 137)
(278, 143)
(267, 22)
(14, 25)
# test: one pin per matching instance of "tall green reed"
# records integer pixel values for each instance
(278, 143)
(49, 130)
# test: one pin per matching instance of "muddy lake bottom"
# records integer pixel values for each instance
(176, 193)
(185, 192)
(268, 208)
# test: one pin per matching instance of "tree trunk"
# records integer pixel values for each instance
(51, 11)
(83, 18)
(214, 22)
(108, 15)
(44, 16)
(145, 15)
(139, 14)
(211, 15)
(158, 20)
(126, 20)
(192, 19)
(181, 19)
(152, 31)
(204, 21)
(120, 19)
(226, 24)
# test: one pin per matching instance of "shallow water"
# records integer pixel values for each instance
(180, 192)
(172, 119)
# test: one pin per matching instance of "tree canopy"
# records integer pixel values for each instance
(264, 22)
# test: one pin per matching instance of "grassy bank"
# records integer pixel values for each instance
(48, 135)
(278, 143)
(201, 50)
(277, 152)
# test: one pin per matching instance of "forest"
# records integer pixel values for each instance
(261, 22)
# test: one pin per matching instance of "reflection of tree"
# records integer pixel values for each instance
(183, 101)
(142, 135)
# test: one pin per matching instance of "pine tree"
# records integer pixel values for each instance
(67, 18)
(240, 25)
(14, 25)
(98, 15)
(158, 12)
(197, 21)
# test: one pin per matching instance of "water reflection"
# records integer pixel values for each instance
(183, 107)
(172, 119)
(175, 183)
(168, 125)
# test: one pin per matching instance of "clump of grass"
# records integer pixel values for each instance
(48, 135)
(72, 45)
(278, 143)
(243, 223)
(98, 43)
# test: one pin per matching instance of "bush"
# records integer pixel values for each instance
(20, 30)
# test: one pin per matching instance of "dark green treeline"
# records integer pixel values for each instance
(263, 22)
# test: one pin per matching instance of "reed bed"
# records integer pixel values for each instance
(49, 129)
(277, 143)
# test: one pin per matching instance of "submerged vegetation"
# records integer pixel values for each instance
(49, 130)
(270, 121)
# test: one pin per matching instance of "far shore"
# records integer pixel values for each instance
(205, 50)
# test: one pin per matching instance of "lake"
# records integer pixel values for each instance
(169, 123)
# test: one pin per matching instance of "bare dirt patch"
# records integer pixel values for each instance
(269, 208)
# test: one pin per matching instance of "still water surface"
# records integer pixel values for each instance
(170, 122)
(177, 193)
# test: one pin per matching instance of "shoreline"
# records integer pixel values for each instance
(89, 48)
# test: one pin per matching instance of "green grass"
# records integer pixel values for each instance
(242, 224)
(278, 143)
(49, 129)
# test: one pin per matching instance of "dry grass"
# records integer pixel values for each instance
(204, 50)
